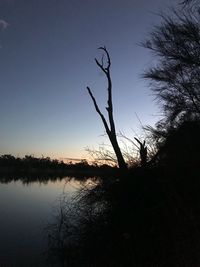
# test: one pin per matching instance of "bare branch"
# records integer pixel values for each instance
(101, 66)
(108, 56)
(128, 139)
(98, 110)
(106, 71)
(138, 141)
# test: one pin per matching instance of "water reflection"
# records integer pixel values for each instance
(26, 205)
(68, 233)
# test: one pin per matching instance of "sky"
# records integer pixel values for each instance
(47, 51)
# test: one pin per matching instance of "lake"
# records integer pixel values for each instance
(25, 210)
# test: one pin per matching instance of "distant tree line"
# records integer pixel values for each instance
(30, 163)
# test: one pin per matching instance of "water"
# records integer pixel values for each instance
(25, 210)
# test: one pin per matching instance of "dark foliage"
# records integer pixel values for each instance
(149, 217)
(175, 77)
(143, 222)
(189, 2)
(181, 147)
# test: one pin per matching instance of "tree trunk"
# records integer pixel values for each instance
(118, 153)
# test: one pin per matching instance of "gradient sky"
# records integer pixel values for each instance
(47, 51)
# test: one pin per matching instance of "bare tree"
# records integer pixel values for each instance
(109, 126)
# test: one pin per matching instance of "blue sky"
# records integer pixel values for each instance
(47, 60)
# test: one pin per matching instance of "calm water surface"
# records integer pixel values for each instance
(25, 210)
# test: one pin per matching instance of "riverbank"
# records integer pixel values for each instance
(31, 166)
(148, 217)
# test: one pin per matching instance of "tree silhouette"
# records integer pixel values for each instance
(180, 150)
(143, 152)
(175, 78)
(109, 126)
(188, 2)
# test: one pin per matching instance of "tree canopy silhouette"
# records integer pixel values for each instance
(109, 126)
(175, 78)
(188, 2)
